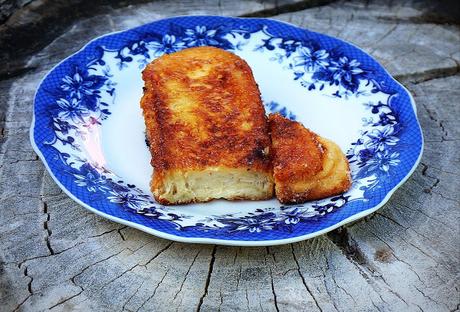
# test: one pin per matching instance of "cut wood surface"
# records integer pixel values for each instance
(56, 255)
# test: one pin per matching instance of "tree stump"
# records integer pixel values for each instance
(58, 256)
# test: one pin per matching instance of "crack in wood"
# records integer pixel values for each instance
(375, 306)
(273, 290)
(108, 232)
(186, 274)
(341, 238)
(121, 234)
(45, 226)
(429, 190)
(247, 300)
(22, 160)
(382, 278)
(336, 284)
(123, 308)
(446, 198)
(304, 282)
(409, 266)
(221, 301)
(154, 291)
(19, 306)
(237, 250)
(360, 261)
(287, 271)
(326, 285)
(67, 299)
(29, 285)
(425, 18)
(288, 8)
(444, 131)
(17, 72)
(441, 141)
(71, 297)
(435, 119)
(428, 238)
(275, 299)
(72, 279)
(392, 29)
(208, 277)
(158, 253)
(62, 251)
(428, 297)
(93, 264)
(378, 213)
(120, 275)
(420, 250)
(48, 255)
(238, 277)
(427, 75)
(456, 309)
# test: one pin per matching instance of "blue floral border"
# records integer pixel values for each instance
(69, 94)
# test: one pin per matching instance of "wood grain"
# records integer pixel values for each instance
(56, 255)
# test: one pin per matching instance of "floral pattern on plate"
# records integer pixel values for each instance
(76, 99)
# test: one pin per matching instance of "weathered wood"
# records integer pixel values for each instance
(50, 18)
(56, 255)
(410, 51)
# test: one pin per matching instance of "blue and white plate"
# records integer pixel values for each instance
(89, 131)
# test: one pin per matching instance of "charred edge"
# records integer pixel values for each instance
(147, 141)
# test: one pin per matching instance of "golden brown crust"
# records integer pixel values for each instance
(202, 109)
(289, 156)
(305, 165)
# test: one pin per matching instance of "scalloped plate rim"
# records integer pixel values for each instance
(243, 243)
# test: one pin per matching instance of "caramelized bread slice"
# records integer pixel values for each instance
(207, 128)
(305, 165)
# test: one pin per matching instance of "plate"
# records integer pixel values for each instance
(89, 131)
